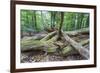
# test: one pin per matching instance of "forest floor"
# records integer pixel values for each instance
(41, 56)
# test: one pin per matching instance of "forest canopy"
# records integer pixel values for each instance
(36, 21)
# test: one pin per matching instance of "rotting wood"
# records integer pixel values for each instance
(84, 52)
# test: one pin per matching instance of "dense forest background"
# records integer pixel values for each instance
(36, 21)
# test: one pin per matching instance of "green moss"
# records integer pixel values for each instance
(67, 50)
(51, 49)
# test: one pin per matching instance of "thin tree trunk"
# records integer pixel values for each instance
(60, 26)
(53, 14)
(76, 21)
(35, 21)
(42, 20)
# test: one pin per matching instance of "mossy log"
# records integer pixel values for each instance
(49, 44)
(31, 44)
(83, 51)
(35, 37)
(76, 32)
(48, 36)
(70, 50)
(83, 43)
(45, 37)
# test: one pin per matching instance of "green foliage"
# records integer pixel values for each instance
(36, 21)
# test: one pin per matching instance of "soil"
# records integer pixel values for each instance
(41, 57)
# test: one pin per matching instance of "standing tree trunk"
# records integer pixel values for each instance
(76, 21)
(60, 26)
(53, 14)
(80, 18)
(87, 21)
(42, 20)
(35, 20)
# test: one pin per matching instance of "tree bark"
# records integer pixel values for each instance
(60, 26)
(31, 44)
(50, 35)
(35, 37)
(70, 50)
(83, 51)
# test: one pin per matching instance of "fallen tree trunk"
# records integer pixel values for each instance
(35, 37)
(70, 50)
(76, 32)
(84, 42)
(48, 36)
(43, 46)
(28, 44)
(45, 37)
(48, 44)
(83, 51)
(31, 44)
